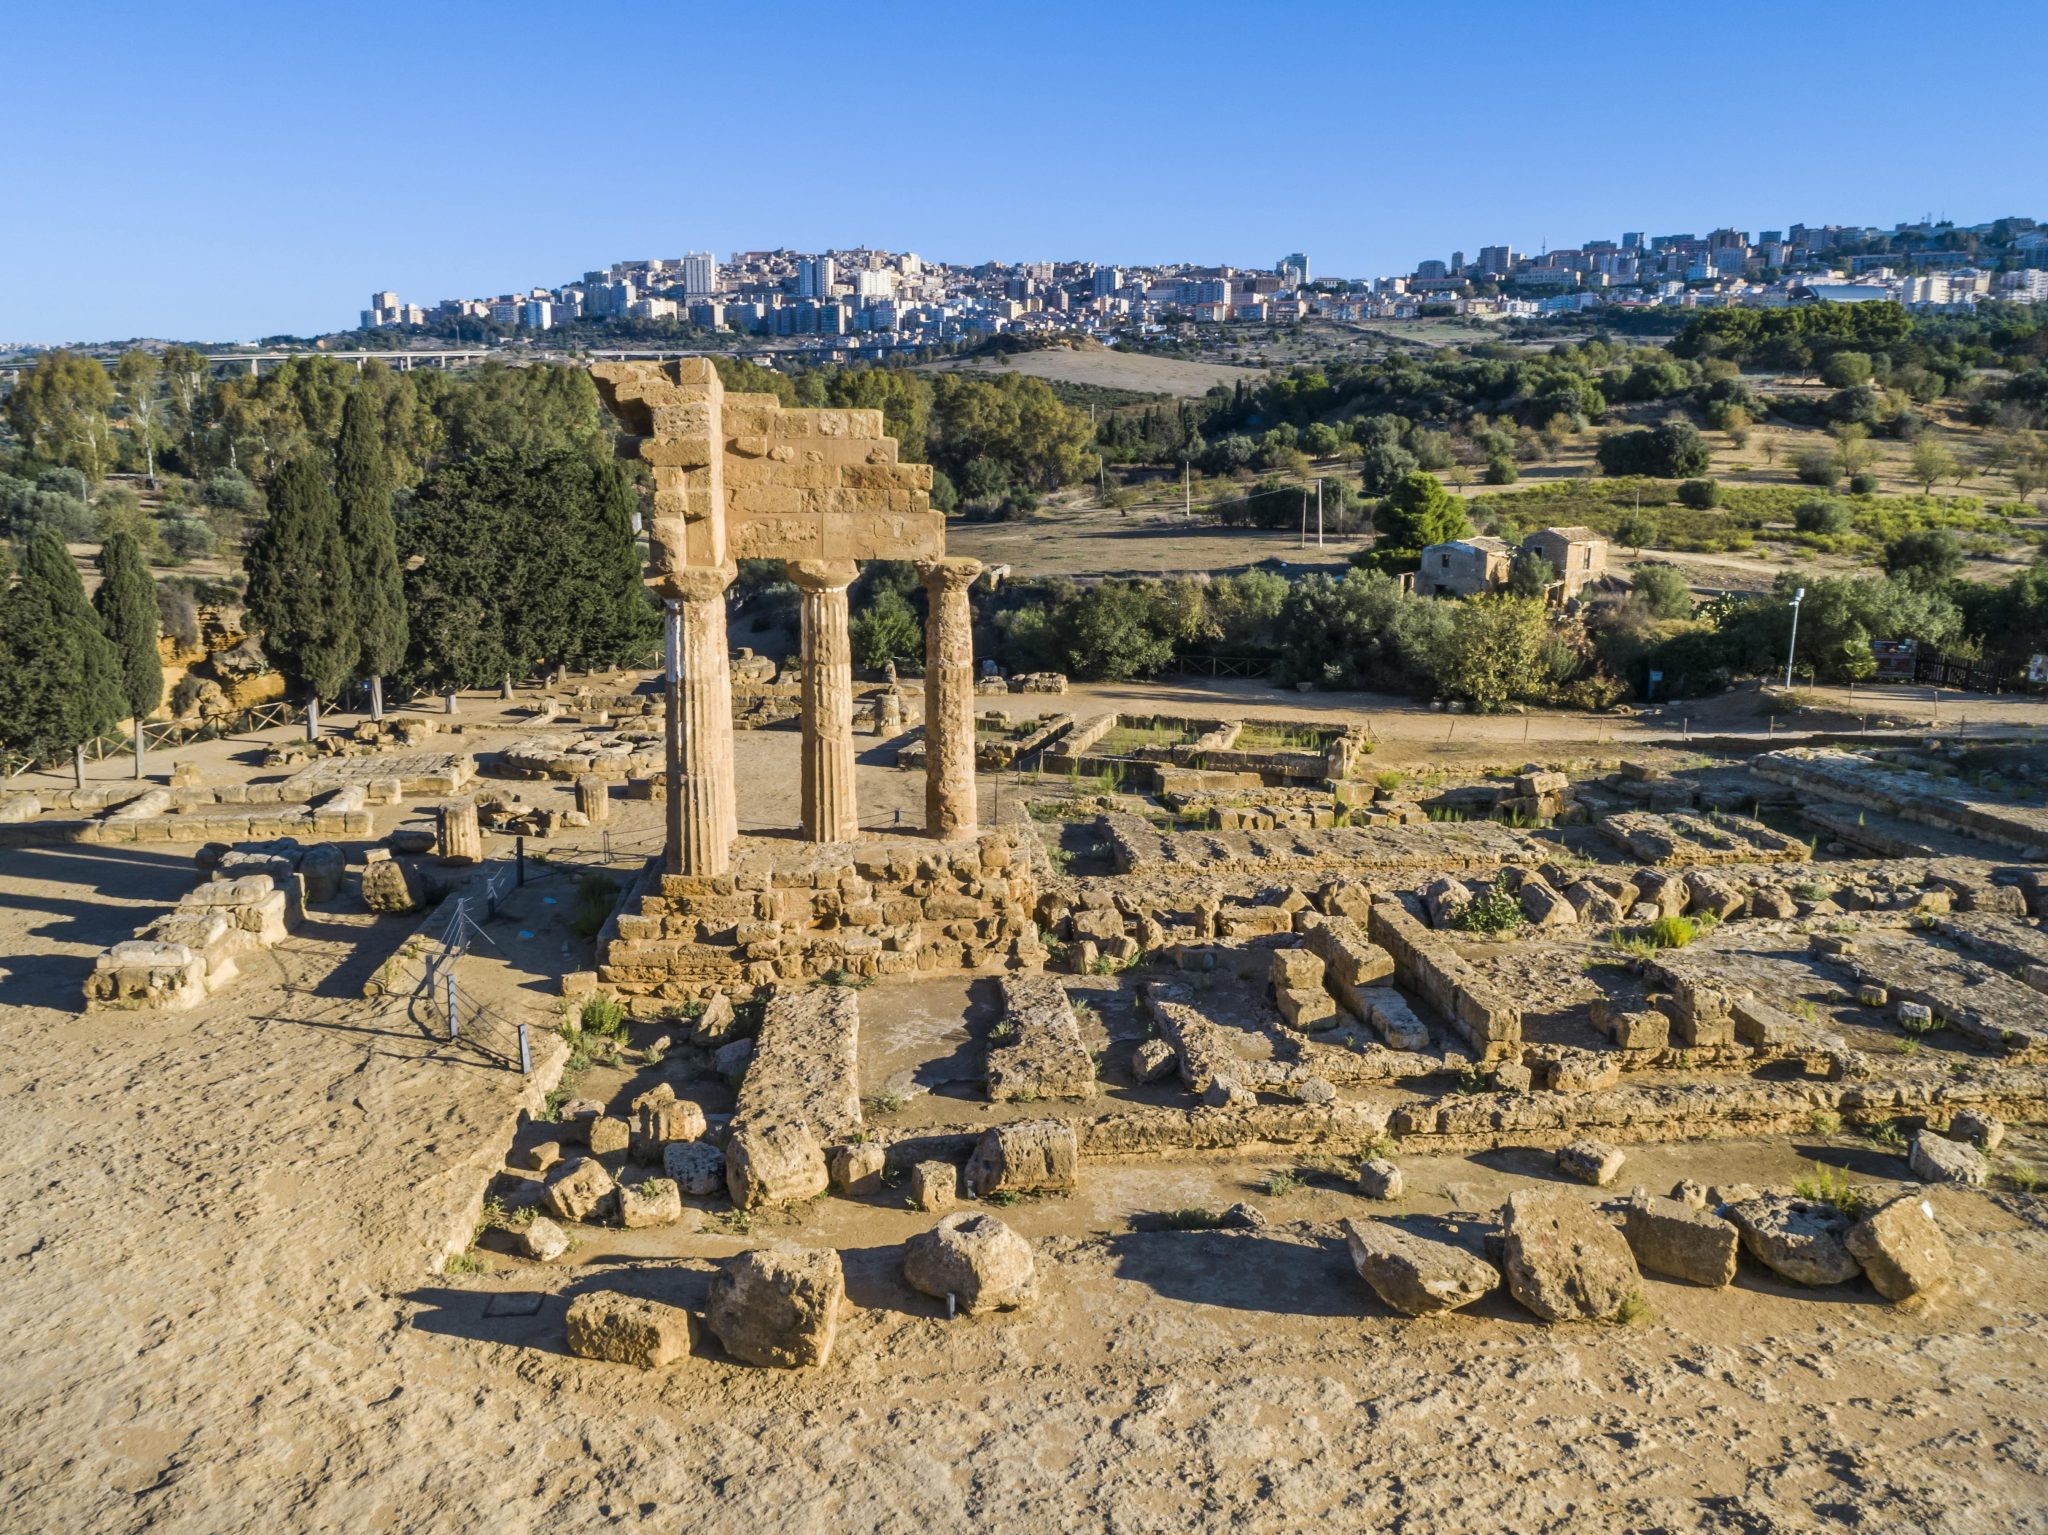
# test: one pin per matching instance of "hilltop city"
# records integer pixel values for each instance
(872, 301)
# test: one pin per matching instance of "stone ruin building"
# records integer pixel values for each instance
(740, 476)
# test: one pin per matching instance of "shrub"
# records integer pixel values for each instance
(1830, 1186)
(594, 893)
(1699, 494)
(1501, 471)
(1862, 484)
(1671, 932)
(1664, 591)
(602, 1014)
(1493, 910)
(1817, 466)
(1823, 515)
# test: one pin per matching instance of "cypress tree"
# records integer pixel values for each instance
(611, 621)
(60, 679)
(127, 607)
(301, 581)
(362, 486)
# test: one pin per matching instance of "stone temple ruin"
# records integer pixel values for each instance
(740, 476)
(1577, 960)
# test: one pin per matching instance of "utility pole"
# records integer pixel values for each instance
(1304, 516)
(1187, 505)
(1797, 598)
(1319, 511)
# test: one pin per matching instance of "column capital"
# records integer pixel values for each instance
(951, 572)
(822, 575)
(698, 583)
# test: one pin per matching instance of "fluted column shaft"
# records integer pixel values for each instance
(829, 810)
(702, 816)
(950, 811)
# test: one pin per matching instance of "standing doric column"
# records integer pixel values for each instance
(829, 811)
(949, 808)
(702, 818)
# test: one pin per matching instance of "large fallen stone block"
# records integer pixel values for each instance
(774, 1163)
(1038, 1156)
(1937, 1159)
(778, 1306)
(662, 1122)
(389, 886)
(625, 1329)
(975, 1258)
(1680, 1240)
(1415, 1275)
(580, 1190)
(1801, 1239)
(1590, 1161)
(1041, 1054)
(1563, 1261)
(806, 1063)
(654, 1202)
(1901, 1248)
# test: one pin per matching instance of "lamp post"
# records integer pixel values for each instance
(1797, 598)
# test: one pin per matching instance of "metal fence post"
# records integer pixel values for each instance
(451, 1004)
(525, 1054)
(519, 856)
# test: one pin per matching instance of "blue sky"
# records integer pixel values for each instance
(219, 171)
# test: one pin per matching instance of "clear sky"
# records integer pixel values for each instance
(219, 171)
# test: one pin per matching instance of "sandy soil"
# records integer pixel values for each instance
(220, 1231)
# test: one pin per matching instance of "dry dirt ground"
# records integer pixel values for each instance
(220, 1234)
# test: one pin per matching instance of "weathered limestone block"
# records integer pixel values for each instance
(856, 1168)
(1429, 967)
(594, 798)
(1680, 1240)
(773, 1162)
(1761, 1025)
(1639, 1029)
(1307, 1010)
(1984, 1131)
(934, 1186)
(141, 973)
(1590, 1161)
(1937, 1159)
(1029, 1157)
(1415, 1275)
(778, 1306)
(658, 1123)
(1045, 1056)
(1295, 970)
(1543, 906)
(1446, 900)
(608, 1133)
(625, 1329)
(975, 1258)
(1563, 1261)
(390, 887)
(1714, 896)
(1801, 1239)
(805, 1066)
(1901, 1249)
(697, 1167)
(654, 1202)
(1396, 1022)
(1380, 1179)
(714, 1026)
(1583, 1071)
(457, 835)
(1154, 1060)
(580, 1191)
(543, 1240)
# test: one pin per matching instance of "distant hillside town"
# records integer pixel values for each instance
(882, 299)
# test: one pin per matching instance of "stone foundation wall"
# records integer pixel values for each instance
(180, 959)
(791, 912)
(1430, 969)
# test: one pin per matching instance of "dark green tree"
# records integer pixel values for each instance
(362, 487)
(1420, 512)
(524, 558)
(127, 607)
(302, 581)
(60, 680)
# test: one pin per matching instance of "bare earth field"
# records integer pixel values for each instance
(221, 1234)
